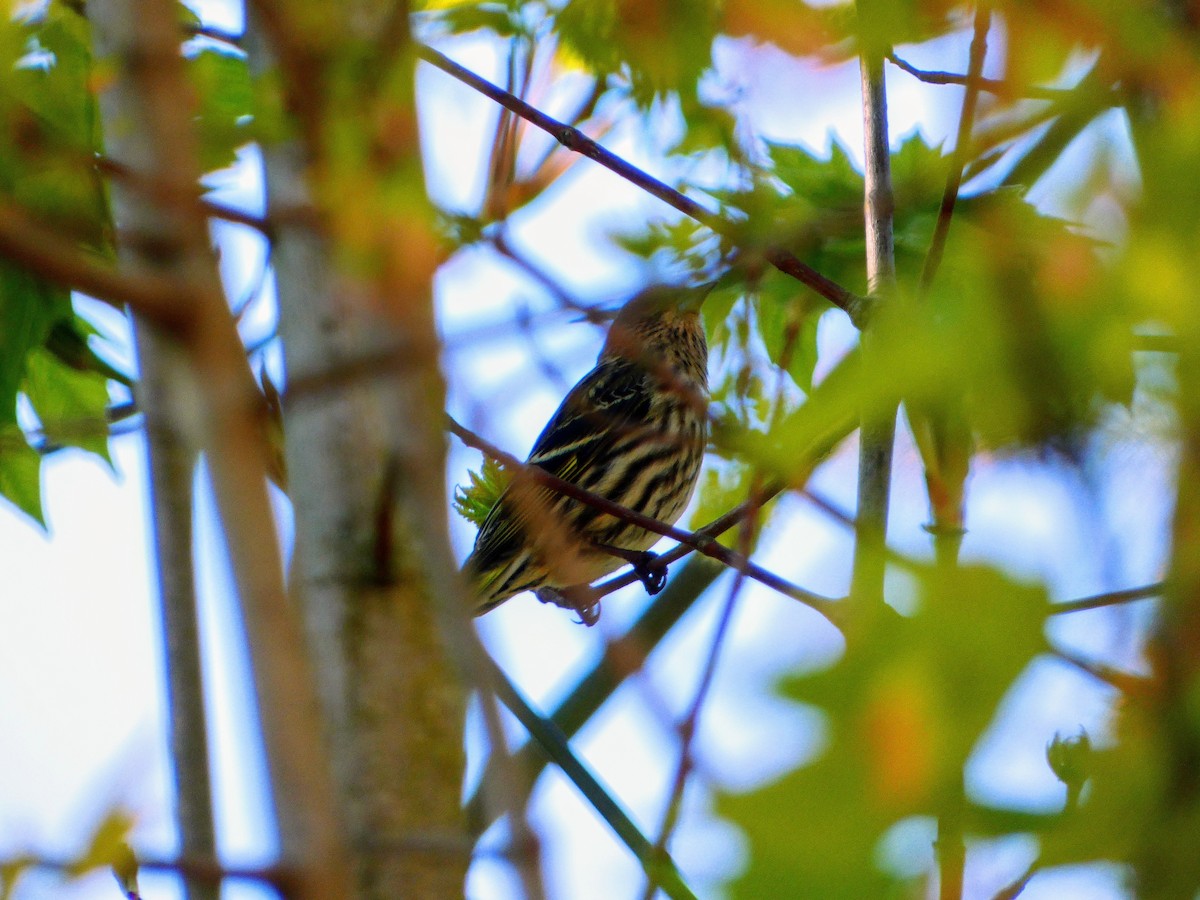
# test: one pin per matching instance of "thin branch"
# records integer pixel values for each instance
(621, 657)
(170, 462)
(689, 726)
(149, 98)
(958, 160)
(1114, 678)
(573, 139)
(878, 425)
(41, 250)
(978, 83)
(1098, 601)
(660, 868)
(168, 193)
(698, 541)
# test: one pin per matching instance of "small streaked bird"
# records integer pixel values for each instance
(633, 430)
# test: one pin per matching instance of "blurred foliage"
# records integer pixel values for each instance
(1025, 339)
(903, 709)
(49, 142)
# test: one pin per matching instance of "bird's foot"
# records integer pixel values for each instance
(650, 572)
(580, 598)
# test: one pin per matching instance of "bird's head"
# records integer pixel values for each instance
(662, 325)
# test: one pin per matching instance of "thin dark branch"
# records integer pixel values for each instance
(228, 38)
(573, 139)
(659, 867)
(958, 160)
(978, 83)
(622, 656)
(1113, 598)
(1114, 678)
(690, 724)
(698, 541)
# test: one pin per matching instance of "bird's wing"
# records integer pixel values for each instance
(609, 402)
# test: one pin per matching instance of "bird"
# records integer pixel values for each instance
(633, 430)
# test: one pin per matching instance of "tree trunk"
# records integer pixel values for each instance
(373, 573)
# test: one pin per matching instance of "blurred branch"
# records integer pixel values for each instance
(660, 868)
(169, 193)
(978, 83)
(958, 159)
(1155, 343)
(28, 243)
(170, 462)
(1114, 678)
(688, 727)
(573, 139)
(1113, 598)
(1073, 114)
(147, 113)
(621, 657)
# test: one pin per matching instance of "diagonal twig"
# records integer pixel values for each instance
(697, 541)
(573, 139)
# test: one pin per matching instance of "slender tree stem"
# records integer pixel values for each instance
(147, 111)
(622, 656)
(691, 721)
(660, 868)
(991, 85)
(1114, 598)
(878, 430)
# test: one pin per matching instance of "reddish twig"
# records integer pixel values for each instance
(697, 541)
(573, 139)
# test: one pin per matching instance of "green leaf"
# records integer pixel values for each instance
(20, 473)
(903, 709)
(226, 104)
(107, 846)
(662, 46)
(723, 485)
(476, 500)
(787, 322)
(28, 310)
(69, 403)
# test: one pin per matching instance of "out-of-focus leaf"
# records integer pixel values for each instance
(723, 485)
(903, 709)
(662, 46)
(1136, 809)
(11, 871)
(68, 402)
(787, 322)
(225, 97)
(463, 18)
(68, 342)
(107, 846)
(20, 473)
(795, 27)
